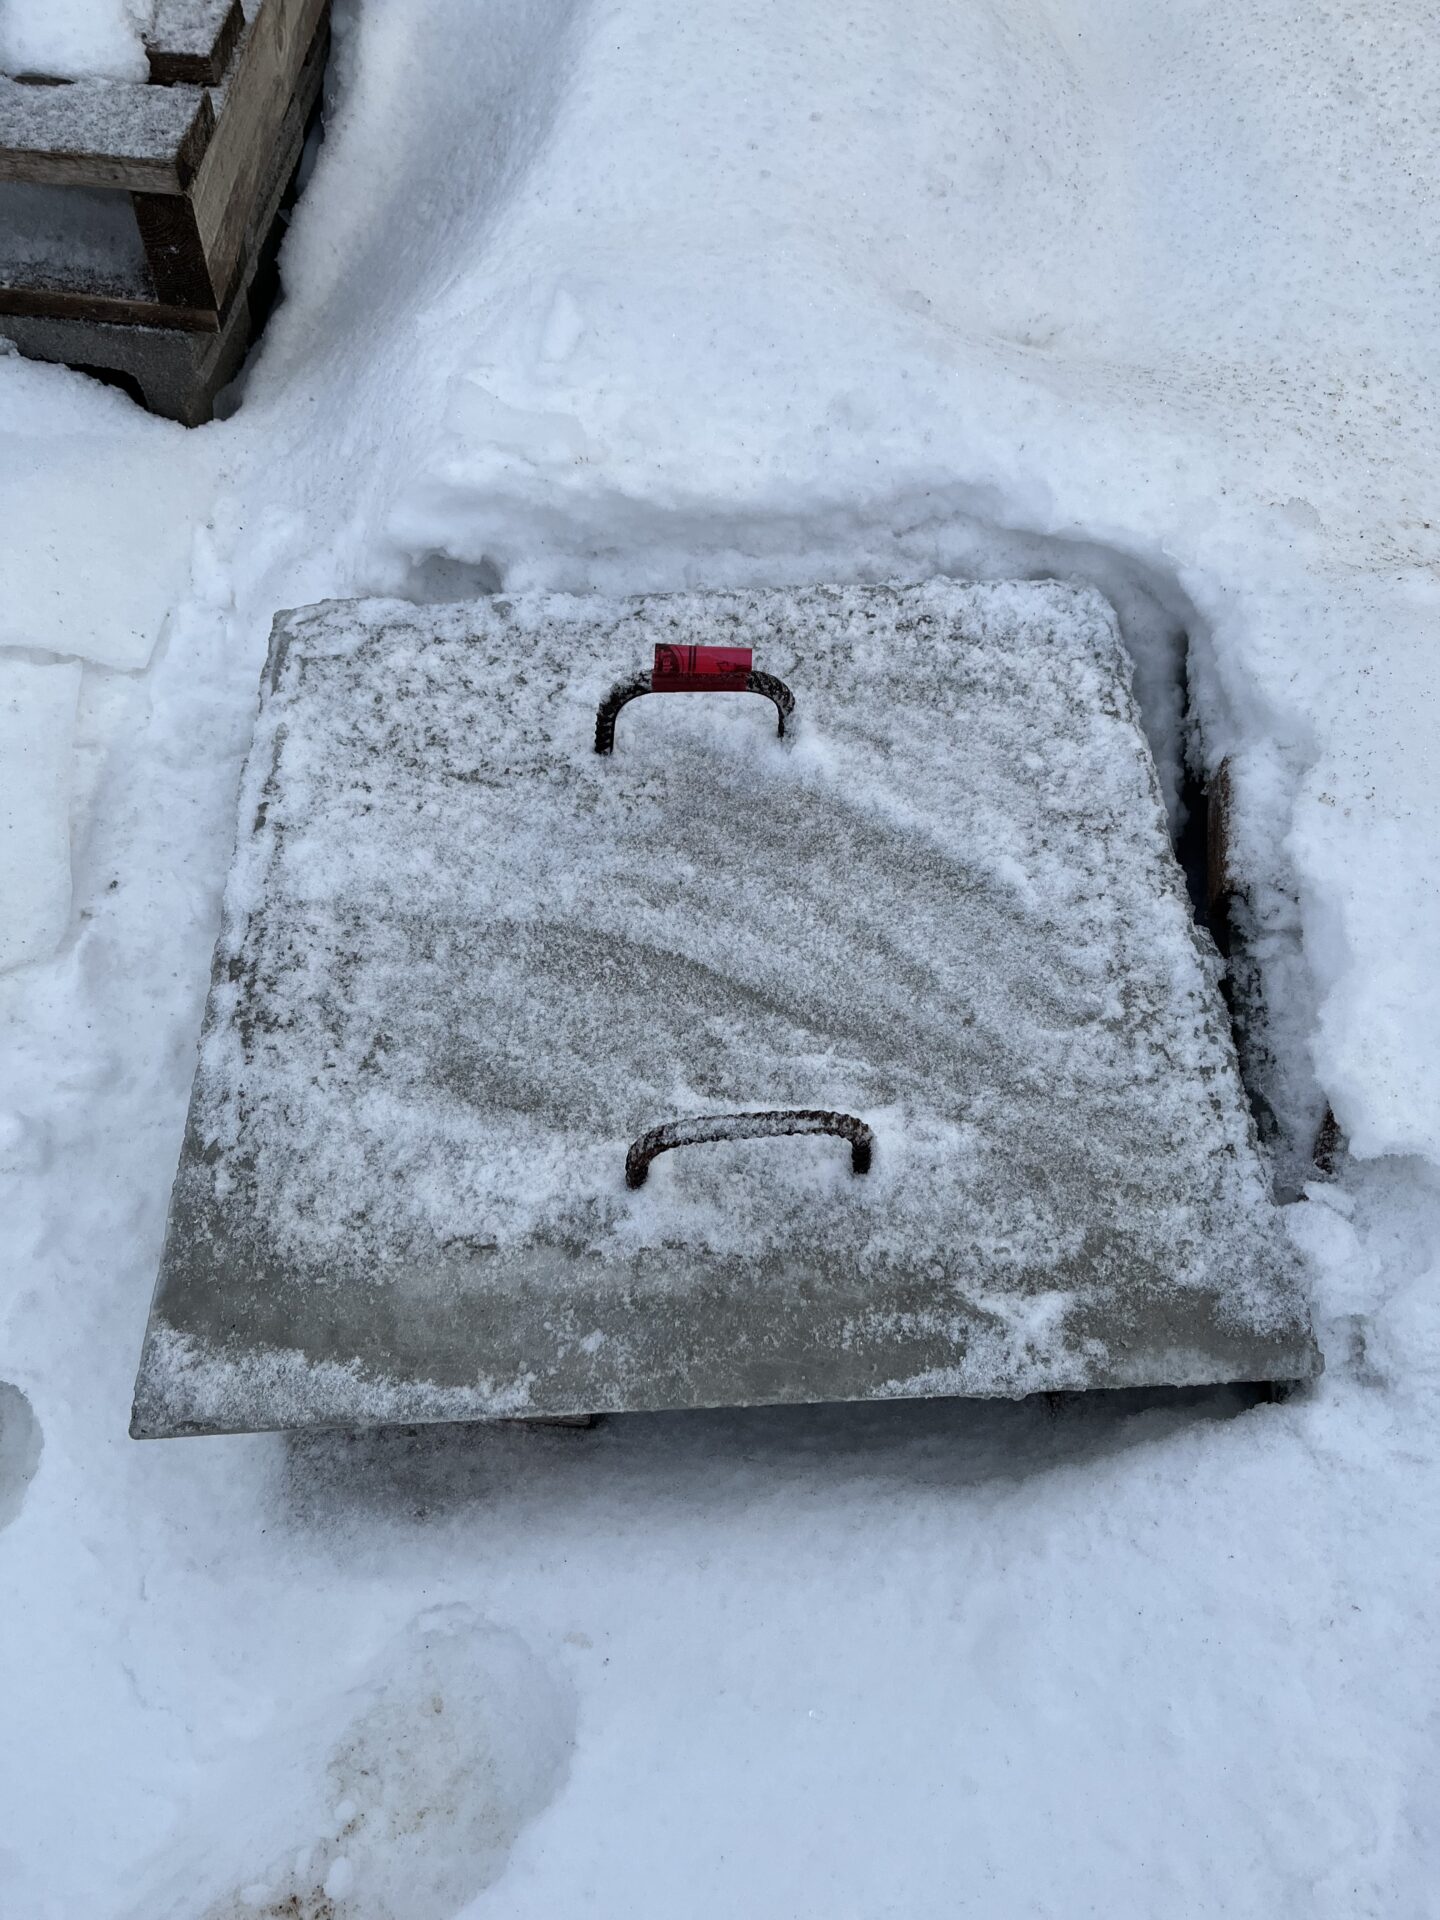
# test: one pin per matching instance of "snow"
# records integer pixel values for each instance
(407, 1790)
(75, 39)
(144, 126)
(37, 725)
(88, 462)
(619, 295)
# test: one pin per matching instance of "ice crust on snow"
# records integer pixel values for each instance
(466, 961)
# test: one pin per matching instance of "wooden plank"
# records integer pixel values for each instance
(104, 134)
(256, 100)
(191, 41)
(169, 226)
(260, 225)
(78, 303)
(1220, 880)
(173, 250)
(177, 374)
(60, 243)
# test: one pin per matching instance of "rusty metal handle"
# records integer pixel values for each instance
(747, 1126)
(624, 691)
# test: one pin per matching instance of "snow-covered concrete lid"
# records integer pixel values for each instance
(466, 961)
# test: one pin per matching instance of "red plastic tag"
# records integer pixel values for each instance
(700, 669)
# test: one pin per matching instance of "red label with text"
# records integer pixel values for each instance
(700, 669)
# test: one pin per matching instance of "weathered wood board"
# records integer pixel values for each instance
(191, 41)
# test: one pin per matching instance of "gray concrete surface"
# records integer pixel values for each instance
(464, 961)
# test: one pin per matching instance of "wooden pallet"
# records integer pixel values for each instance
(134, 217)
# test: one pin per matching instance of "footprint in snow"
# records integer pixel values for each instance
(20, 1444)
(400, 1801)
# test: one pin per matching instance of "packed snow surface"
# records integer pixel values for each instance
(37, 728)
(625, 295)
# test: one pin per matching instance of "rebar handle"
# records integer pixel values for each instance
(639, 684)
(747, 1126)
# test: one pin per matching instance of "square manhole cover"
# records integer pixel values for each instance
(466, 961)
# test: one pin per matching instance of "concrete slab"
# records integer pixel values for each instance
(466, 962)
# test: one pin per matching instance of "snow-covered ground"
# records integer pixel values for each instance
(625, 294)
